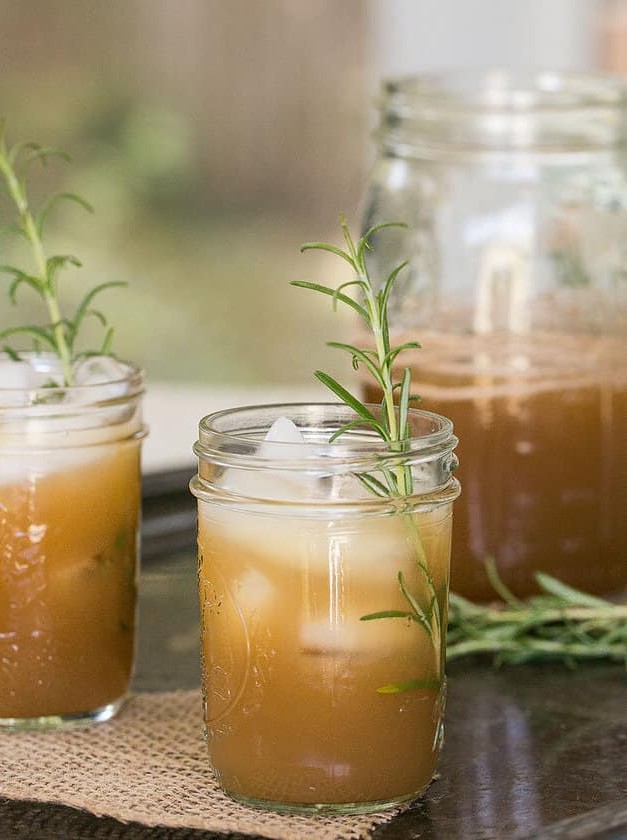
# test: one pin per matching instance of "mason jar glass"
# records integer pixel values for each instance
(69, 516)
(514, 193)
(323, 606)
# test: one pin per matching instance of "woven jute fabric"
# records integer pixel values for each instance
(150, 765)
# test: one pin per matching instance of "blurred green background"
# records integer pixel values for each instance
(214, 136)
(212, 139)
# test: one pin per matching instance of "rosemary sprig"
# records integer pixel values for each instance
(60, 334)
(372, 307)
(561, 624)
(391, 424)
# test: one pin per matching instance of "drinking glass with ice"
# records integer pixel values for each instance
(323, 605)
(69, 514)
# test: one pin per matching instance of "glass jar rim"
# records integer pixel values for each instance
(47, 399)
(237, 446)
(441, 116)
(48, 363)
(502, 90)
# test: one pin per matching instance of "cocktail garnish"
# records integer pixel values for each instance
(60, 333)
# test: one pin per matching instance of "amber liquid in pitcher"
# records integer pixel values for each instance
(290, 671)
(542, 427)
(67, 584)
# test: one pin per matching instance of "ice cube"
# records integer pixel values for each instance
(283, 430)
(351, 636)
(102, 370)
(254, 591)
(16, 376)
(49, 428)
(285, 485)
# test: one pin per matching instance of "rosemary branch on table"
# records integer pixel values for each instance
(561, 623)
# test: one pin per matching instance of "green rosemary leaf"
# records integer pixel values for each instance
(83, 307)
(13, 230)
(105, 349)
(347, 427)
(336, 295)
(349, 241)
(409, 685)
(388, 614)
(421, 615)
(396, 351)
(20, 278)
(11, 353)
(350, 400)
(16, 150)
(362, 356)
(42, 215)
(364, 243)
(462, 605)
(332, 249)
(16, 272)
(385, 341)
(98, 315)
(326, 290)
(384, 294)
(53, 264)
(378, 488)
(403, 404)
(568, 593)
(497, 584)
(40, 333)
(42, 153)
(381, 226)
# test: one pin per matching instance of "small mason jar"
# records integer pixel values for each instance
(514, 191)
(323, 606)
(69, 516)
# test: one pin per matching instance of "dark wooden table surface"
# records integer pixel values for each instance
(531, 752)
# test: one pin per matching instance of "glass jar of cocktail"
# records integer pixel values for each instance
(323, 601)
(515, 194)
(69, 515)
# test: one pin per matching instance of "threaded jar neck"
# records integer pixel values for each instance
(233, 455)
(497, 111)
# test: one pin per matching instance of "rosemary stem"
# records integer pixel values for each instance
(400, 474)
(18, 194)
(50, 299)
(534, 646)
(548, 616)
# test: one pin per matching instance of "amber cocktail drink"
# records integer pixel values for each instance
(543, 456)
(311, 704)
(69, 513)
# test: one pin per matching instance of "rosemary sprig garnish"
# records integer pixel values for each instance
(60, 334)
(391, 425)
(562, 623)
(372, 307)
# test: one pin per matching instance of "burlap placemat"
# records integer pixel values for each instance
(150, 765)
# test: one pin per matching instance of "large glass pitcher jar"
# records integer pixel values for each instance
(515, 197)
